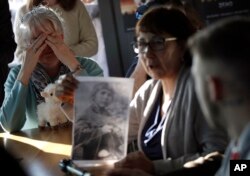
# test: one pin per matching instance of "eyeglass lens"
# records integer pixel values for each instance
(156, 44)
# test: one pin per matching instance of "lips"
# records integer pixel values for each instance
(151, 66)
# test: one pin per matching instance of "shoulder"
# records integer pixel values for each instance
(80, 7)
(149, 85)
(185, 75)
(185, 83)
(87, 62)
(20, 13)
(150, 88)
(185, 98)
(14, 70)
(90, 66)
(12, 75)
(79, 4)
(22, 10)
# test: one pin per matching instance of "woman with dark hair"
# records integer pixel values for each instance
(136, 70)
(165, 117)
(79, 32)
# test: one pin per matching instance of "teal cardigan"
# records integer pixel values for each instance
(18, 110)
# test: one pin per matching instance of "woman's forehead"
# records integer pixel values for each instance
(42, 27)
(149, 35)
(145, 35)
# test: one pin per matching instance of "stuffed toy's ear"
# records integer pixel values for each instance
(44, 94)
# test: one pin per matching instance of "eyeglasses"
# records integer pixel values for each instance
(156, 44)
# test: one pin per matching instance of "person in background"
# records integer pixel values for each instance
(221, 71)
(79, 32)
(47, 57)
(7, 44)
(94, 12)
(165, 117)
(136, 70)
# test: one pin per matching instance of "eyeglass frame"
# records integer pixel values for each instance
(149, 44)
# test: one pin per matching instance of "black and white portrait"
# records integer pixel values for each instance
(101, 118)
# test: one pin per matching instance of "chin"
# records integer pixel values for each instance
(155, 75)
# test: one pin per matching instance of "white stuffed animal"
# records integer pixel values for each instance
(50, 111)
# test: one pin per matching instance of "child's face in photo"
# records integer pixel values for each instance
(103, 97)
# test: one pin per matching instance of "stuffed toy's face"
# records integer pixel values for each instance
(49, 94)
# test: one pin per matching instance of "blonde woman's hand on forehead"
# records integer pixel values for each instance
(34, 51)
(61, 50)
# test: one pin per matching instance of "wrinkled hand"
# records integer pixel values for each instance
(126, 172)
(65, 88)
(202, 160)
(33, 53)
(136, 160)
(61, 50)
(34, 50)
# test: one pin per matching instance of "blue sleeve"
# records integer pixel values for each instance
(12, 114)
(90, 67)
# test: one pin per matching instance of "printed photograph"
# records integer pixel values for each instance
(101, 119)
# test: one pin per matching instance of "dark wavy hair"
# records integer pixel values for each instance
(162, 20)
(102, 86)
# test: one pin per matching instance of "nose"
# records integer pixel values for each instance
(148, 52)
